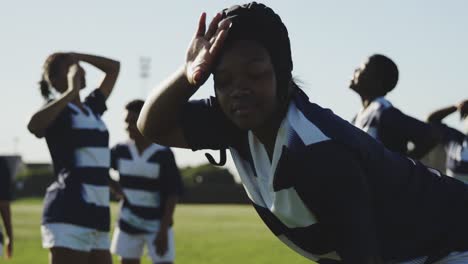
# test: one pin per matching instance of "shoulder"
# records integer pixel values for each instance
(330, 125)
(121, 150)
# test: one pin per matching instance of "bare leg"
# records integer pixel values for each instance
(130, 261)
(61, 255)
(100, 257)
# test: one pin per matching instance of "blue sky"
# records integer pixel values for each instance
(427, 39)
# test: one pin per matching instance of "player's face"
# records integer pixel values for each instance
(364, 80)
(60, 80)
(245, 84)
(130, 121)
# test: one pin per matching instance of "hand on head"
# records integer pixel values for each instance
(75, 76)
(462, 108)
(204, 48)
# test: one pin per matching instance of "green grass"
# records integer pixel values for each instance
(205, 234)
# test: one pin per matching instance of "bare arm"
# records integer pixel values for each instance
(116, 189)
(43, 118)
(160, 116)
(161, 241)
(438, 115)
(6, 217)
(110, 67)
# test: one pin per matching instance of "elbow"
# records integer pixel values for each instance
(146, 131)
(154, 135)
(116, 68)
(33, 129)
(430, 119)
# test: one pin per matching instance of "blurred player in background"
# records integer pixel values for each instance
(456, 142)
(76, 217)
(151, 185)
(5, 212)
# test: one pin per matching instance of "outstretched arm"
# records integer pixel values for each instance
(438, 115)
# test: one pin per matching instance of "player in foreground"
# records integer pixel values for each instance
(323, 187)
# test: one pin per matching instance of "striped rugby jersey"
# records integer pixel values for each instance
(332, 189)
(146, 180)
(457, 154)
(78, 143)
(5, 190)
(397, 131)
(368, 118)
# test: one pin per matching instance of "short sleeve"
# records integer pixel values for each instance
(172, 180)
(206, 127)
(97, 102)
(5, 181)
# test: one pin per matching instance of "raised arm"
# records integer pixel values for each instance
(43, 118)
(438, 115)
(424, 136)
(110, 67)
(160, 117)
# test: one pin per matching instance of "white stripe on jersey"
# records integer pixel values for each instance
(291, 216)
(365, 117)
(306, 130)
(94, 157)
(98, 195)
(259, 188)
(128, 217)
(142, 198)
(83, 121)
(139, 168)
(458, 153)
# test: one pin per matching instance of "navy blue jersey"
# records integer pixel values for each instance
(5, 186)
(331, 188)
(146, 179)
(456, 145)
(5, 181)
(395, 130)
(78, 142)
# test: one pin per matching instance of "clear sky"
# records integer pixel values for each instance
(426, 38)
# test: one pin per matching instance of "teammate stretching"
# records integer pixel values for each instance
(376, 77)
(320, 184)
(456, 142)
(76, 217)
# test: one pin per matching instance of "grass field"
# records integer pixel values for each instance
(205, 234)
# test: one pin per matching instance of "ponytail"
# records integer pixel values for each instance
(45, 89)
